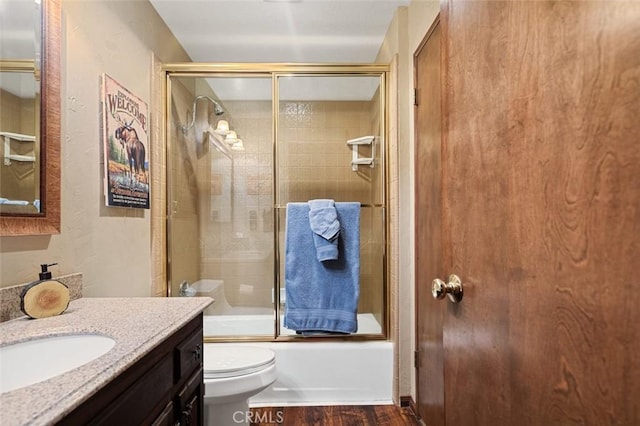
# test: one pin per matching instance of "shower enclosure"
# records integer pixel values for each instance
(242, 141)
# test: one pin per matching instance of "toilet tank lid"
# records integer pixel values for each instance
(225, 361)
(206, 286)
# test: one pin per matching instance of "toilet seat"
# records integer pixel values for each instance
(234, 361)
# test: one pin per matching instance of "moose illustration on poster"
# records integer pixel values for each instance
(126, 146)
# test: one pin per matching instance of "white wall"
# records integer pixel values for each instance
(403, 38)
(110, 246)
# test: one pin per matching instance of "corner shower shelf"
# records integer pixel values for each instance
(8, 137)
(358, 161)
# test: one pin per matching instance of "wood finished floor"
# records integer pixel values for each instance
(351, 415)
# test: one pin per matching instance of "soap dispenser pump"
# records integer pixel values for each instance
(46, 297)
(45, 273)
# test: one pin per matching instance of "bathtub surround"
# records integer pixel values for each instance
(10, 296)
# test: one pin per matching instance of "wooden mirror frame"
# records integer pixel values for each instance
(47, 222)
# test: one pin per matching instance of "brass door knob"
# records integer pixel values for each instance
(453, 288)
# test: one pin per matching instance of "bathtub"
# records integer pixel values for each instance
(328, 373)
(259, 321)
(224, 319)
(320, 372)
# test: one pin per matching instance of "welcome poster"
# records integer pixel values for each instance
(126, 146)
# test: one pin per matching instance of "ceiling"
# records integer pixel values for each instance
(342, 31)
(302, 31)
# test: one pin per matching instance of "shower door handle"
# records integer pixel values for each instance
(452, 289)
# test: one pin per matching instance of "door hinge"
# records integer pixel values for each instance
(416, 362)
(415, 97)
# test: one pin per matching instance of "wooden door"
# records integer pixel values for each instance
(541, 212)
(428, 195)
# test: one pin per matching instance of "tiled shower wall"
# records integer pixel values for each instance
(315, 162)
(235, 216)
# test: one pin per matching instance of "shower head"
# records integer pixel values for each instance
(217, 110)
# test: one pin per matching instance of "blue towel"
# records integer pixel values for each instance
(322, 296)
(324, 223)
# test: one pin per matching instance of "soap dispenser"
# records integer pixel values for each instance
(46, 297)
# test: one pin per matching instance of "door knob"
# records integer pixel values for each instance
(453, 288)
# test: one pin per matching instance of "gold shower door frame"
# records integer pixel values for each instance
(276, 71)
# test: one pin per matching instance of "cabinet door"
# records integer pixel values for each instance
(147, 392)
(166, 417)
(190, 401)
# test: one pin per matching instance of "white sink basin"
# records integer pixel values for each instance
(32, 361)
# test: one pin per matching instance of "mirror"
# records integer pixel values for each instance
(30, 117)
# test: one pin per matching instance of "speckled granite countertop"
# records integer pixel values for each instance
(136, 324)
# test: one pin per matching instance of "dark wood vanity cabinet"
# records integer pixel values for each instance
(165, 387)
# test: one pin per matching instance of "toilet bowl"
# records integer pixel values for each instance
(233, 374)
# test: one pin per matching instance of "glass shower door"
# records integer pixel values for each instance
(330, 145)
(221, 220)
(242, 144)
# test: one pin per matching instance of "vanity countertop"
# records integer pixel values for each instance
(136, 324)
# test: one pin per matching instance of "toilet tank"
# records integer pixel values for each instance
(214, 289)
(248, 276)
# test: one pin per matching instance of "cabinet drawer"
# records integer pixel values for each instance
(189, 355)
(135, 404)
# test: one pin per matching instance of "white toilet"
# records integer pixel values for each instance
(233, 374)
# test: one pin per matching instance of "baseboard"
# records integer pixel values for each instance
(408, 402)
